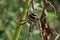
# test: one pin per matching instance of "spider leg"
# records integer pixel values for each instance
(23, 23)
(30, 31)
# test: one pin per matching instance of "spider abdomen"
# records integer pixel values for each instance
(33, 17)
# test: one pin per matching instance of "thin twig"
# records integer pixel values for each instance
(57, 36)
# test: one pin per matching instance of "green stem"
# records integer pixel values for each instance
(22, 17)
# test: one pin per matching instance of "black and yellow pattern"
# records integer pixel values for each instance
(33, 17)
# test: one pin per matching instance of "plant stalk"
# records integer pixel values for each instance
(22, 17)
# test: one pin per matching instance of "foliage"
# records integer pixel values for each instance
(10, 11)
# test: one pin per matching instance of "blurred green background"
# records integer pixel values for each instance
(10, 11)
